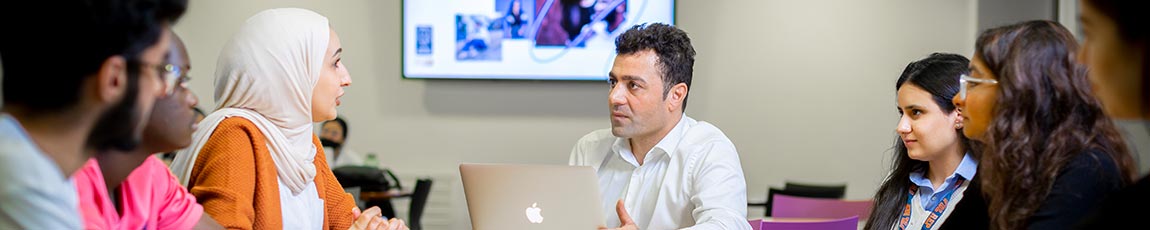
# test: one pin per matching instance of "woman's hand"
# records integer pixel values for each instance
(396, 224)
(371, 219)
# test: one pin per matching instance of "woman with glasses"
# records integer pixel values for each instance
(932, 182)
(255, 162)
(1048, 152)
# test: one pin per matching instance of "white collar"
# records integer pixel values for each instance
(665, 146)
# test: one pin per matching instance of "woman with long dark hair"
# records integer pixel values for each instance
(932, 161)
(1116, 51)
(1048, 152)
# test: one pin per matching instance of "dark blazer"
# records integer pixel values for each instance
(970, 212)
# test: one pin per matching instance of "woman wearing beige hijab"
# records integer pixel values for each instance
(255, 162)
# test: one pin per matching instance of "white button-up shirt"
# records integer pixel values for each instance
(690, 179)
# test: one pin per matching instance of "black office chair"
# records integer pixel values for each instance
(802, 190)
(817, 191)
(369, 179)
(366, 176)
(418, 203)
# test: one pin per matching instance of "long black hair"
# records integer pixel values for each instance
(938, 74)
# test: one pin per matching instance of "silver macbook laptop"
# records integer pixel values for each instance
(502, 196)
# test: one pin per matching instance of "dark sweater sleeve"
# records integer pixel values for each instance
(1080, 185)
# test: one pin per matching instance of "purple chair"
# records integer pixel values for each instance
(756, 224)
(849, 223)
(802, 207)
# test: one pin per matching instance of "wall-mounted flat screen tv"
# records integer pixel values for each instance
(520, 39)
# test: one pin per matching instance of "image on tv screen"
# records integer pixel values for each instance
(520, 39)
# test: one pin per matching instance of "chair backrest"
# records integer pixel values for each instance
(367, 178)
(813, 190)
(803, 207)
(418, 203)
(849, 223)
(804, 190)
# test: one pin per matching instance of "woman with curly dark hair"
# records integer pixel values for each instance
(1048, 151)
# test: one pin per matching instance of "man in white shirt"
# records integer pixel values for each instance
(63, 101)
(657, 167)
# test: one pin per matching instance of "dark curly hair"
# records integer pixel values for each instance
(1045, 116)
(676, 55)
(938, 75)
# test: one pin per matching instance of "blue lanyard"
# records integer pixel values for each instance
(935, 213)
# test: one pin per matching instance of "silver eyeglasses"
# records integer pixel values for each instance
(965, 82)
(173, 76)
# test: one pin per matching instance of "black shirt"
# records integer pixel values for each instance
(1080, 185)
(1123, 209)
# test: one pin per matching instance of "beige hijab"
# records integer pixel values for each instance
(266, 75)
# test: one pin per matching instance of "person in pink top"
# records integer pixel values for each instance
(134, 190)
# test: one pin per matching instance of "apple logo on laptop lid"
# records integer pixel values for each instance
(534, 214)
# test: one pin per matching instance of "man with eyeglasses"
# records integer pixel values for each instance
(66, 101)
(138, 184)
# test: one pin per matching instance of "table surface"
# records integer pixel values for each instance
(384, 195)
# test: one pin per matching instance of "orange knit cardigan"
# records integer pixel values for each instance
(235, 179)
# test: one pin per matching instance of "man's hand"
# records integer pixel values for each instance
(625, 221)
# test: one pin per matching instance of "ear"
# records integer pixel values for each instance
(675, 96)
(112, 79)
(957, 118)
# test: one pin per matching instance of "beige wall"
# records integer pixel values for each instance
(805, 89)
